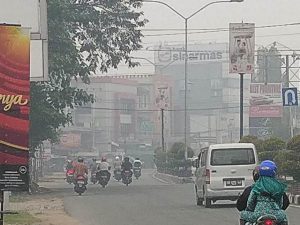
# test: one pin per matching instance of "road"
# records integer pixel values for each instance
(148, 202)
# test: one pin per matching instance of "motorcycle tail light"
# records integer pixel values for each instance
(269, 222)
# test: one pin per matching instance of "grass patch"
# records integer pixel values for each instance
(23, 218)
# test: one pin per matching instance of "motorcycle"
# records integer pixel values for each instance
(94, 177)
(80, 185)
(70, 176)
(118, 175)
(137, 172)
(103, 177)
(127, 177)
(266, 220)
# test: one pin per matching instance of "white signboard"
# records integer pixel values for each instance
(197, 53)
(241, 47)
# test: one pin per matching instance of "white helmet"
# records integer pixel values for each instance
(117, 158)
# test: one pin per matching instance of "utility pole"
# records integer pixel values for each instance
(162, 130)
(241, 105)
(2, 207)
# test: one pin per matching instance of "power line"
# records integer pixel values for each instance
(158, 110)
(214, 30)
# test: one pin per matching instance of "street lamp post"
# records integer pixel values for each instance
(186, 19)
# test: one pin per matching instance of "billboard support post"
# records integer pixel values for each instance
(2, 207)
(241, 105)
(241, 57)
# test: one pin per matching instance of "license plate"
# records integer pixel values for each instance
(233, 182)
(80, 182)
(103, 176)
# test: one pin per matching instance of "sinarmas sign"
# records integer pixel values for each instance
(14, 107)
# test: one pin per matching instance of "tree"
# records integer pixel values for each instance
(177, 151)
(254, 140)
(273, 144)
(288, 163)
(84, 36)
(294, 144)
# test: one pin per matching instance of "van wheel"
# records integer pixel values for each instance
(207, 203)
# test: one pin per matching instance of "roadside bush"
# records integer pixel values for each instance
(273, 144)
(254, 140)
(294, 144)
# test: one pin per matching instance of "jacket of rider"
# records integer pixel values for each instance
(266, 198)
(126, 166)
(103, 166)
(80, 169)
(241, 203)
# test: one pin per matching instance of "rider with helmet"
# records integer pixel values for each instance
(126, 166)
(266, 197)
(241, 203)
(93, 166)
(80, 169)
(104, 167)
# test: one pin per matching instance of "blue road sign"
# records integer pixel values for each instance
(289, 96)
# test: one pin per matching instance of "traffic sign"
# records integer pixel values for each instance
(289, 96)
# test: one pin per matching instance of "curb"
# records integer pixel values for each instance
(294, 199)
(172, 179)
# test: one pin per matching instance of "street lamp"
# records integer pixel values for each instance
(186, 19)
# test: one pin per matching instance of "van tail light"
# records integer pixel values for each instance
(207, 175)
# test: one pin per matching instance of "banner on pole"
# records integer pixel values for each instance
(14, 107)
(241, 47)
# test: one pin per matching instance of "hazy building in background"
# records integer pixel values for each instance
(213, 93)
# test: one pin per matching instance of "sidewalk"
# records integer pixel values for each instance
(45, 207)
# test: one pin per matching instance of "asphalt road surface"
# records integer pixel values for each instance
(148, 201)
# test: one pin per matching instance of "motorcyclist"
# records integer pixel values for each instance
(126, 166)
(80, 169)
(266, 197)
(137, 163)
(69, 165)
(104, 167)
(117, 164)
(241, 203)
(93, 166)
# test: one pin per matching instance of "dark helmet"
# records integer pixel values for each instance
(255, 174)
(94, 159)
(80, 159)
(126, 159)
(103, 159)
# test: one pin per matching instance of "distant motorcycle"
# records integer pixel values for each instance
(80, 185)
(137, 172)
(127, 177)
(103, 177)
(94, 177)
(118, 175)
(70, 176)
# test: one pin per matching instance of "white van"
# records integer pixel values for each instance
(223, 171)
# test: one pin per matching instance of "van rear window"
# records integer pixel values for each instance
(236, 156)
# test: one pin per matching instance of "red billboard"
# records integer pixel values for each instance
(265, 100)
(14, 107)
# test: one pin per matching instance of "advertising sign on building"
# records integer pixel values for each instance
(265, 100)
(197, 53)
(241, 47)
(70, 140)
(14, 107)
